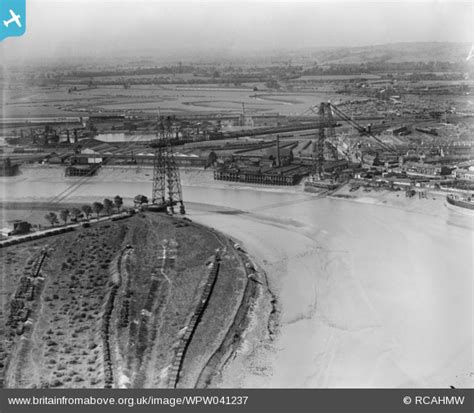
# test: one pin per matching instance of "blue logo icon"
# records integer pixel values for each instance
(12, 18)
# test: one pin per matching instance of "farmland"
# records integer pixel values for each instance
(46, 101)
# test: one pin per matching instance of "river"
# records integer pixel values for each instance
(370, 295)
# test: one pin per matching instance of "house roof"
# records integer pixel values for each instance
(90, 151)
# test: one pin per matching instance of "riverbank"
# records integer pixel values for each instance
(433, 202)
(393, 199)
(124, 320)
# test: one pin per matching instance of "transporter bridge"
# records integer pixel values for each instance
(328, 114)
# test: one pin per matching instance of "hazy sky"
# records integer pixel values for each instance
(94, 27)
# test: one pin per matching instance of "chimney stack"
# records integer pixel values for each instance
(278, 151)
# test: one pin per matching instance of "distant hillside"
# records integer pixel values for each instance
(395, 53)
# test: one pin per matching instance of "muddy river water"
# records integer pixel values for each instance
(370, 295)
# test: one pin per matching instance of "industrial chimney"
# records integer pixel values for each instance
(278, 151)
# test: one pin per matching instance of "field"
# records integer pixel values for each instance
(50, 101)
(85, 309)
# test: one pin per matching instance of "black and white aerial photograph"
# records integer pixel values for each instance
(236, 194)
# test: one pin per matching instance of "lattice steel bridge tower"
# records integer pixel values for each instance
(166, 191)
(326, 121)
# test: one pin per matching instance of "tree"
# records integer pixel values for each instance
(52, 218)
(64, 215)
(446, 170)
(118, 201)
(108, 206)
(211, 159)
(140, 199)
(87, 210)
(97, 207)
(272, 84)
(75, 214)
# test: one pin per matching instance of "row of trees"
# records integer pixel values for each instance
(85, 211)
